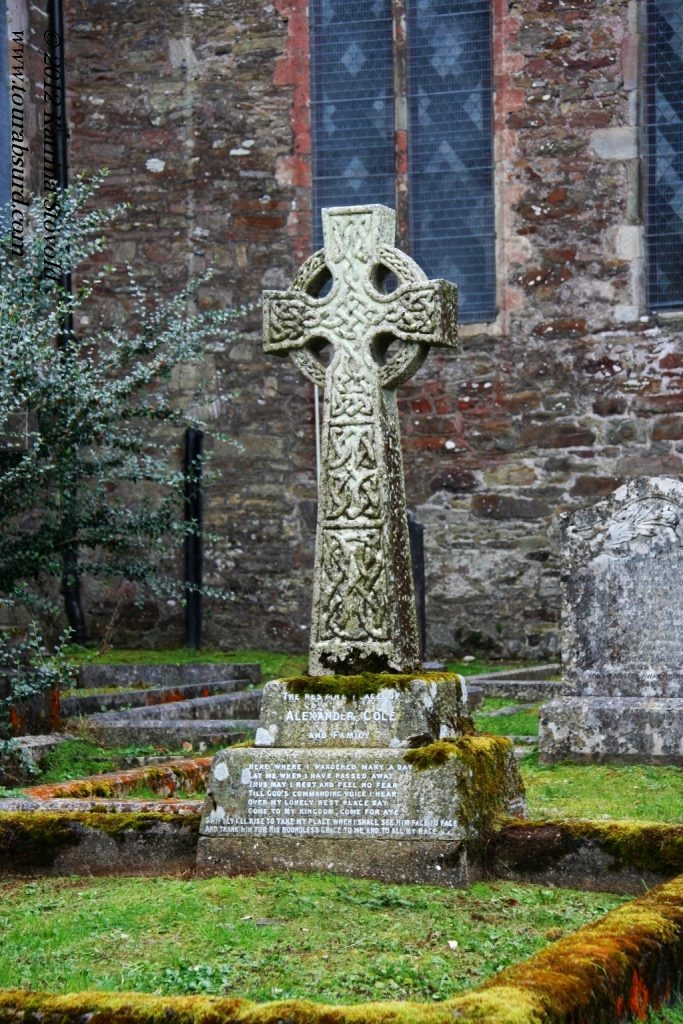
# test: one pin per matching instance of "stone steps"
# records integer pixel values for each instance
(94, 675)
(125, 698)
(244, 704)
(168, 706)
(113, 730)
(202, 705)
(534, 683)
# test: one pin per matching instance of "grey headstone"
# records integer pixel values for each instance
(622, 634)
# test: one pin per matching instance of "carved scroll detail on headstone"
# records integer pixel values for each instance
(648, 526)
(363, 605)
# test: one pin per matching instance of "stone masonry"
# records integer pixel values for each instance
(200, 112)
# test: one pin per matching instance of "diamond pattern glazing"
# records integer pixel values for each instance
(665, 153)
(451, 148)
(352, 105)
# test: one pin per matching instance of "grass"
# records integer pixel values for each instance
(276, 936)
(668, 1015)
(524, 723)
(644, 792)
(273, 664)
(78, 758)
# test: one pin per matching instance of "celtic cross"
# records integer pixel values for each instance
(363, 601)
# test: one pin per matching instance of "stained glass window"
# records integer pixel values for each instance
(451, 148)
(450, 132)
(352, 104)
(664, 96)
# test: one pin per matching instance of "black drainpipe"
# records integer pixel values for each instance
(192, 471)
(416, 535)
(54, 38)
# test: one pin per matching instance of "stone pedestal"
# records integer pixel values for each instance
(622, 634)
(330, 786)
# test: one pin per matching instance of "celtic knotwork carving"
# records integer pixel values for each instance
(362, 562)
(355, 587)
(352, 494)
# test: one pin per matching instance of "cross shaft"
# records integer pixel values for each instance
(363, 602)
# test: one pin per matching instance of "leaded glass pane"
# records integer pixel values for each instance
(451, 148)
(665, 153)
(5, 119)
(352, 106)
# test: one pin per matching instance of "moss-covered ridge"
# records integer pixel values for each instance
(490, 780)
(34, 839)
(166, 780)
(615, 969)
(647, 846)
(363, 684)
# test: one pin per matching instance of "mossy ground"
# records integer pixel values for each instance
(324, 938)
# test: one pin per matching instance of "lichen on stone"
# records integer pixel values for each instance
(163, 779)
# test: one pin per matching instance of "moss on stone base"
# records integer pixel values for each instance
(489, 782)
(646, 846)
(166, 779)
(33, 839)
(364, 684)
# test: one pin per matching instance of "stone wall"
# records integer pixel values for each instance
(200, 111)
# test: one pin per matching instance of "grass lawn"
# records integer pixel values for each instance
(268, 937)
(670, 1015)
(272, 664)
(524, 723)
(645, 792)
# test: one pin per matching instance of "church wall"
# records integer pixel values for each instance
(200, 112)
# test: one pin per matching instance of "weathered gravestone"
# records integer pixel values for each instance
(331, 783)
(622, 641)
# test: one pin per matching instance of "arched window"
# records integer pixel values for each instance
(401, 112)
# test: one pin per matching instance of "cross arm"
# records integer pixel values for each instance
(290, 320)
(424, 313)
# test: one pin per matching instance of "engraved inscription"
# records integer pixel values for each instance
(338, 798)
(624, 592)
(641, 613)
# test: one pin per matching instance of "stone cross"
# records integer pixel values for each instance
(363, 602)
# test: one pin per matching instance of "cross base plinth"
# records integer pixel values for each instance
(337, 783)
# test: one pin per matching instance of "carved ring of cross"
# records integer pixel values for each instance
(409, 357)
